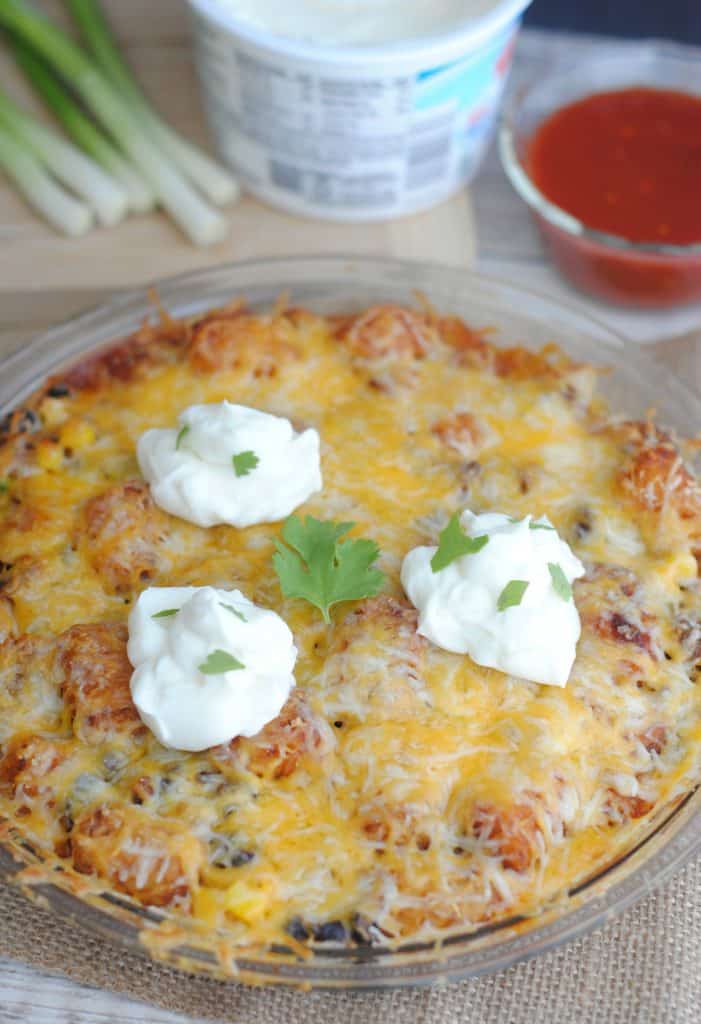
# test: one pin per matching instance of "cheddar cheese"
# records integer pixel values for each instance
(403, 792)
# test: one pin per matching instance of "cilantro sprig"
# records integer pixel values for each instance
(234, 611)
(453, 543)
(182, 434)
(166, 613)
(218, 662)
(244, 462)
(532, 525)
(315, 565)
(561, 585)
(512, 594)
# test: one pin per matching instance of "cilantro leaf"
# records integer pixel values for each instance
(453, 543)
(182, 434)
(244, 462)
(234, 611)
(319, 567)
(219, 662)
(532, 525)
(512, 594)
(561, 585)
(165, 613)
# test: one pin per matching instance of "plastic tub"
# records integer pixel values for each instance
(353, 133)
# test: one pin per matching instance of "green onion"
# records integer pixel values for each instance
(82, 130)
(217, 184)
(60, 209)
(198, 220)
(72, 168)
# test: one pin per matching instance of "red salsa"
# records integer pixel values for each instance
(627, 163)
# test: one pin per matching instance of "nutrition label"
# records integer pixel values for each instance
(363, 143)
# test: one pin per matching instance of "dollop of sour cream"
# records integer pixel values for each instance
(477, 604)
(228, 463)
(209, 665)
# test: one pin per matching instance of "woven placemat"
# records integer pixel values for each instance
(642, 968)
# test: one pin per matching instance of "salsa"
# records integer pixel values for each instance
(626, 162)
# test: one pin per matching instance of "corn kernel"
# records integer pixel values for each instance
(678, 568)
(248, 901)
(219, 878)
(206, 905)
(49, 455)
(77, 434)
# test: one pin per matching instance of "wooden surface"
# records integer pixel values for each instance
(44, 278)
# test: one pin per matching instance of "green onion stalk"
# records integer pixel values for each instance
(81, 129)
(199, 221)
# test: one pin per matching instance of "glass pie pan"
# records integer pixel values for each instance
(336, 284)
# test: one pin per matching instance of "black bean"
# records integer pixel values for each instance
(242, 857)
(297, 929)
(224, 852)
(330, 931)
(583, 524)
(58, 391)
(66, 822)
(365, 932)
(28, 421)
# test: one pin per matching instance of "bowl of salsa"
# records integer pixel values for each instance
(607, 154)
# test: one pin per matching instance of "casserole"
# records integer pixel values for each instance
(660, 840)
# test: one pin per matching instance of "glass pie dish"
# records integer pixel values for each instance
(338, 284)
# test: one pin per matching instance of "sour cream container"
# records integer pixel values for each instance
(353, 133)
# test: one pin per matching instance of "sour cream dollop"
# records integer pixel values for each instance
(190, 709)
(535, 639)
(193, 475)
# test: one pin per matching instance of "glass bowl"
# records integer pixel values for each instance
(608, 266)
(517, 316)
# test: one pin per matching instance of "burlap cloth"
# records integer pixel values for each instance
(642, 968)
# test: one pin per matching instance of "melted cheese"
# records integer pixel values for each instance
(449, 794)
